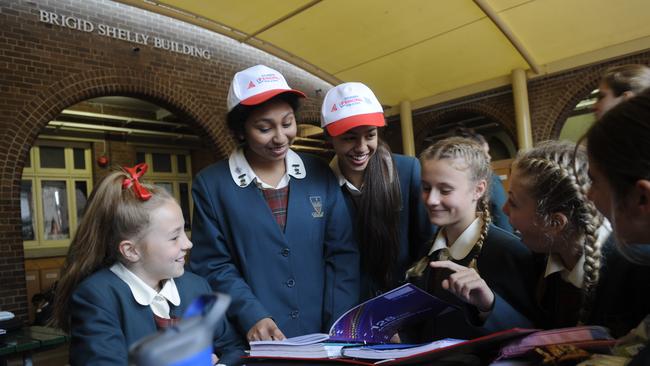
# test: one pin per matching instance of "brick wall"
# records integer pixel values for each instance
(46, 68)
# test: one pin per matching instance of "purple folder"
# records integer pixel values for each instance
(378, 319)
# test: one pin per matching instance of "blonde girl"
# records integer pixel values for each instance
(581, 277)
(123, 278)
(483, 269)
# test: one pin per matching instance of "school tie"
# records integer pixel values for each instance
(163, 323)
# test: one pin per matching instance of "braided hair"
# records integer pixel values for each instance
(557, 181)
(477, 163)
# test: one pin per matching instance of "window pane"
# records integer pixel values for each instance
(28, 162)
(55, 210)
(52, 157)
(139, 157)
(162, 162)
(182, 164)
(81, 197)
(27, 213)
(185, 204)
(169, 187)
(79, 158)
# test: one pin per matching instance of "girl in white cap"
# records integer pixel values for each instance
(270, 226)
(382, 190)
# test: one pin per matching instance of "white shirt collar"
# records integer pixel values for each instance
(577, 274)
(145, 295)
(242, 173)
(334, 165)
(463, 245)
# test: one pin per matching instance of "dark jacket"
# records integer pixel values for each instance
(506, 266)
(106, 320)
(304, 277)
(415, 229)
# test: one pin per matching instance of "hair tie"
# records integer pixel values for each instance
(136, 172)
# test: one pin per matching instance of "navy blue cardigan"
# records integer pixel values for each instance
(304, 277)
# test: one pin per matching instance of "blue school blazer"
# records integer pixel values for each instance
(304, 277)
(415, 229)
(621, 297)
(106, 320)
(498, 198)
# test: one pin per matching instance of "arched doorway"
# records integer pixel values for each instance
(580, 118)
(499, 139)
(76, 150)
(26, 126)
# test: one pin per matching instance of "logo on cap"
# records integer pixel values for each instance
(251, 85)
(350, 105)
(268, 78)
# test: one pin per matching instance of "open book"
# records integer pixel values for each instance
(509, 343)
(399, 354)
(375, 321)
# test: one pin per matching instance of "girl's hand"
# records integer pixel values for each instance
(215, 359)
(467, 285)
(265, 330)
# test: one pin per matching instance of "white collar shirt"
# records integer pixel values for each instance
(242, 173)
(462, 246)
(577, 274)
(334, 165)
(147, 296)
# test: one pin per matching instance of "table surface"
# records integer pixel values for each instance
(31, 339)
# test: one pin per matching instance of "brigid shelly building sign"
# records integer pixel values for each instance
(138, 38)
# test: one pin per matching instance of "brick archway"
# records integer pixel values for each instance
(571, 96)
(502, 117)
(25, 126)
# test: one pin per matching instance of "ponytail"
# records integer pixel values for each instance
(378, 217)
(112, 214)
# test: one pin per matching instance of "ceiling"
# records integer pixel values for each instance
(425, 51)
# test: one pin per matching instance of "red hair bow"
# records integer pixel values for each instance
(136, 172)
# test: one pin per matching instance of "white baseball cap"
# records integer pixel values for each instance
(350, 105)
(256, 85)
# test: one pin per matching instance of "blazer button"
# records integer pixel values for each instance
(291, 282)
(294, 314)
(285, 252)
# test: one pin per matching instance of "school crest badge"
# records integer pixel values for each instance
(317, 204)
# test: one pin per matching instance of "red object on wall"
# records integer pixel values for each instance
(102, 161)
